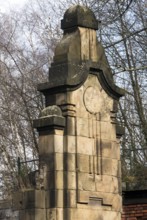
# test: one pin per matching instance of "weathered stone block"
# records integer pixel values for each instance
(114, 199)
(40, 199)
(60, 198)
(109, 201)
(97, 126)
(116, 168)
(86, 181)
(69, 162)
(70, 144)
(47, 162)
(50, 144)
(87, 127)
(33, 199)
(58, 143)
(54, 180)
(70, 198)
(105, 114)
(69, 180)
(88, 35)
(51, 200)
(108, 131)
(51, 162)
(88, 164)
(51, 214)
(32, 214)
(55, 214)
(108, 184)
(55, 199)
(106, 147)
(83, 163)
(106, 166)
(97, 169)
(40, 214)
(59, 183)
(64, 98)
(61, 98)
(93, 214)
(17, 201)
(82, 127)
(78, 100)
(85, 145)
(46, 144)
(59, 214)
(70, 126)
(59, 158)
(83, 196)
(115, 150)
(22, 215)
(58, 132)
(29, 199)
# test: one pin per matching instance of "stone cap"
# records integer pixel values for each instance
(79, 16)
(69, 69)
(49, 123)
(50, 118)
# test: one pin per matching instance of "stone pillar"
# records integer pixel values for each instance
(79, 175)
(50, 126)
(81, 83)
(45, 201)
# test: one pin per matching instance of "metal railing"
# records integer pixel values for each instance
(35, 163)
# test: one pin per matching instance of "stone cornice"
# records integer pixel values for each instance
(77, 77)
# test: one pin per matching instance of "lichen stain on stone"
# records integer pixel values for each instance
(50, 111)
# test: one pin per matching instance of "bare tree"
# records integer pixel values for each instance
(25, 55)
(27, 43)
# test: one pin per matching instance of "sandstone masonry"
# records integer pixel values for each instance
(79, 175)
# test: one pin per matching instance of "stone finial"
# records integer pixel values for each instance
(53, 110)
(79, 16)
(50, 117)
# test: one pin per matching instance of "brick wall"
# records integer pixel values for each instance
(135, 205)
(134, 212)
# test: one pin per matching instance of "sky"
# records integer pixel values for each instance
(5, 5)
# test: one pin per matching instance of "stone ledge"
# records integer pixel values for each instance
(49, 122)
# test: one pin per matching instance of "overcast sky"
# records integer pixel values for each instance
(5, 5)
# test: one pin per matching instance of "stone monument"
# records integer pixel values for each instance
(80, 172)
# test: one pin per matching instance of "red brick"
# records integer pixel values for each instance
(139, 215)
(139, 212)
(132, 212)
(131, 218)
